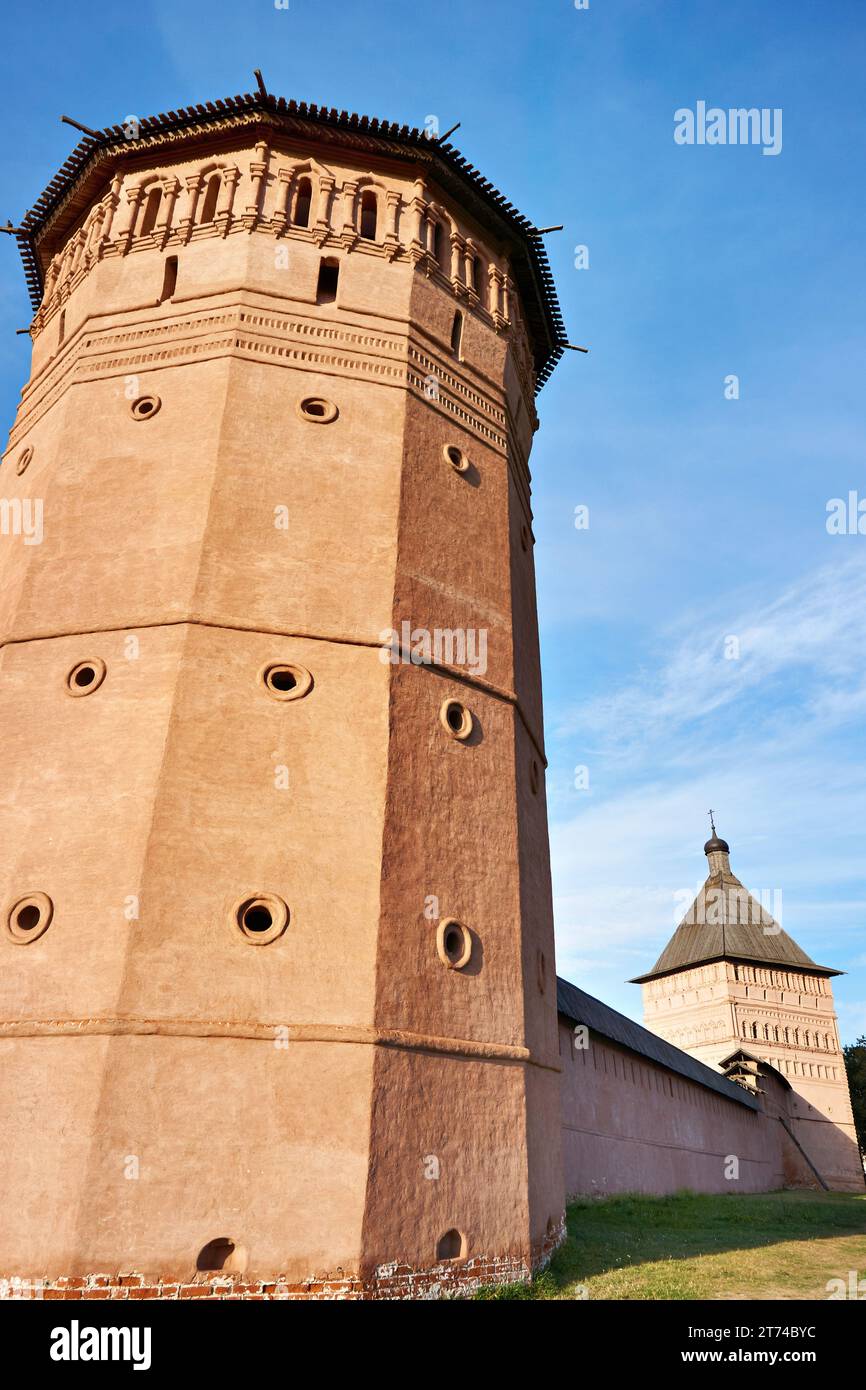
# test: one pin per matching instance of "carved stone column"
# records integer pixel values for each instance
(111, 204)
(223, 218)
(349, 233)
(280, 214)
(507, 289)
(170, 190)
(322, 225)
(93, 230)
(133, 198)
(418, 214)
(186, 221)
(493, 290)
(77, 251)
(470, 256)
(258, 178)
(457, 250)
(392, 212)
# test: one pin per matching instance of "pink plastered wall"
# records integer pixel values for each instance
(632, 1125)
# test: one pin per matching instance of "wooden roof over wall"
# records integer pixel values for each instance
(579, 1007)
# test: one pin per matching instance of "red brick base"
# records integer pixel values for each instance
(389, 1282)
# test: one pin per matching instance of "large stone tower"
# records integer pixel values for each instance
(278, 984)
(731, 982)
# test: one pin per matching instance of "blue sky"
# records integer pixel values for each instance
(707, 515)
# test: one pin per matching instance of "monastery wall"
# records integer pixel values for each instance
(632, 1125)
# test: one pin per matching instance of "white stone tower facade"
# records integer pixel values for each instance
(731, 980)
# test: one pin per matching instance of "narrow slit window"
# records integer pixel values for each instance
(329, 274)
(212, 192)
(437, 243)
(457, 333)
(169, 279)
(151, 211)
(303, 201)
(369, 215)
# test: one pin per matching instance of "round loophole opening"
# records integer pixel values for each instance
(456, 719)
(317, 410)
(261, 918)
(453, 943)
(24, 459)
(284, 681)
(86, 676)
(258, 918)
(456, 457)
(145, 407)
(28, 918)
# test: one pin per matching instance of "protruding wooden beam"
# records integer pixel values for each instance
(260, 82)
(441, 138)
(78, 126)
(574, 347)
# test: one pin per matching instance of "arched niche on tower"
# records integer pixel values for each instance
(289, 187)
(439, 228)
(375, 209)
(209, 194)
(149, 199)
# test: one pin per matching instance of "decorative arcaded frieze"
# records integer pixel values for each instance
(256, 196)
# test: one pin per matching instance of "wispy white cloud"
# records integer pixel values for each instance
(814, 633)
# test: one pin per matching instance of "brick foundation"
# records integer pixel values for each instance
(390, 1282)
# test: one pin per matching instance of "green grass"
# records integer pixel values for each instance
(779, 1245)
